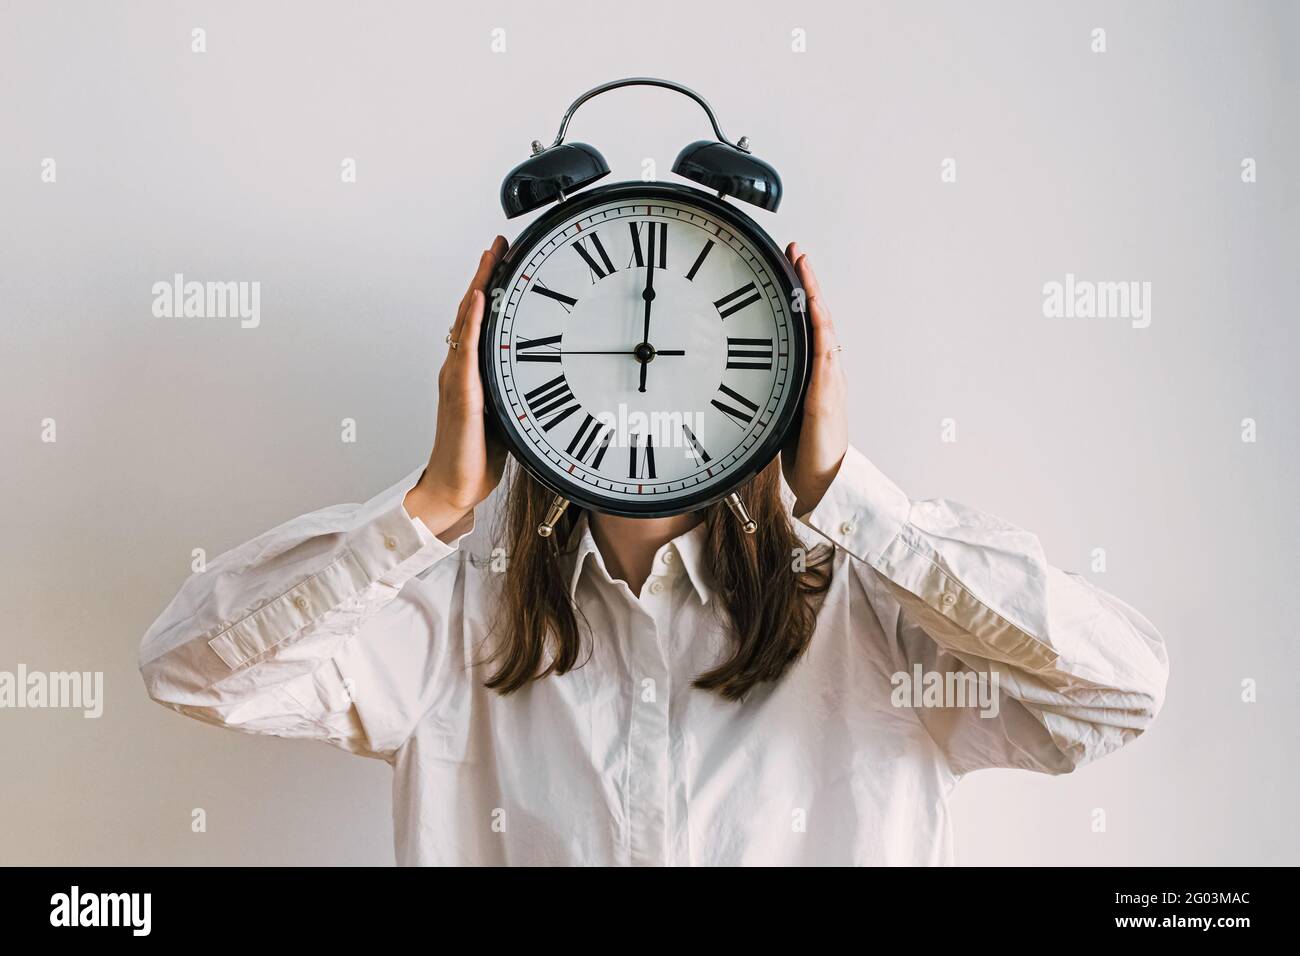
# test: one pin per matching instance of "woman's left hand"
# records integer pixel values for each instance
(811, 462)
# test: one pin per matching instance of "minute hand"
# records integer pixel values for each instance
(648, 295)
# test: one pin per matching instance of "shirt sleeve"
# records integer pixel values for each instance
(1079, 672)
(262, 641)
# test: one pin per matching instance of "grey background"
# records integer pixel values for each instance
(182, 433)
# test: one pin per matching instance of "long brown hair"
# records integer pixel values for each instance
(769, 595)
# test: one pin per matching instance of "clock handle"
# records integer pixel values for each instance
(553, 515)
(747, 524)
(741, 144)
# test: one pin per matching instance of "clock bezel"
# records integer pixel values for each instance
(800, 346)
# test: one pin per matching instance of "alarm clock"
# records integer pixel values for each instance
(646, 349)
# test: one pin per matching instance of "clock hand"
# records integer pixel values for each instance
(649, 296)
(644, 352)
(618, 352)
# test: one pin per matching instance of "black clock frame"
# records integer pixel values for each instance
(787, 422)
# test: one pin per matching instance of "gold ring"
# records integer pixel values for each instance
(454, 345)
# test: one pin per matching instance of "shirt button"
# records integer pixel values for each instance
(669, 557)
(949, 600)
(848, 527)
(300, 603)
(390, 542)
(656, 586)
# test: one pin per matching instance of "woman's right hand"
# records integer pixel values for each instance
(466, 463)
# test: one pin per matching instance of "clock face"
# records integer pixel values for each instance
(643, 352)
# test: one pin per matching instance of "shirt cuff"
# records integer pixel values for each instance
(862, 510)
(389, 544)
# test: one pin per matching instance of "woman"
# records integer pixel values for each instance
(661, 691)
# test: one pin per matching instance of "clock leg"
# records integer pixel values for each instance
(553, 514)
(748, 524)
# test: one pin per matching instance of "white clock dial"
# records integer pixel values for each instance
(629, 414)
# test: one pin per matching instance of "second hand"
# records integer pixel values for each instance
(618, 352)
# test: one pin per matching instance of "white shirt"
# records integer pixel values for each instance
(356, 626)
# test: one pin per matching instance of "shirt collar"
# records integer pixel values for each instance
(586, 546)
(687, 553)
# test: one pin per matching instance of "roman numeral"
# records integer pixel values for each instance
(735, 414)
(597, 272)
(565, 300)
(699, 260)
(645, 468)
(523, 355)
(585, 438)
(551, 402)
(750, 353)
(658, 233)
(733, 303)
(700, 453)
